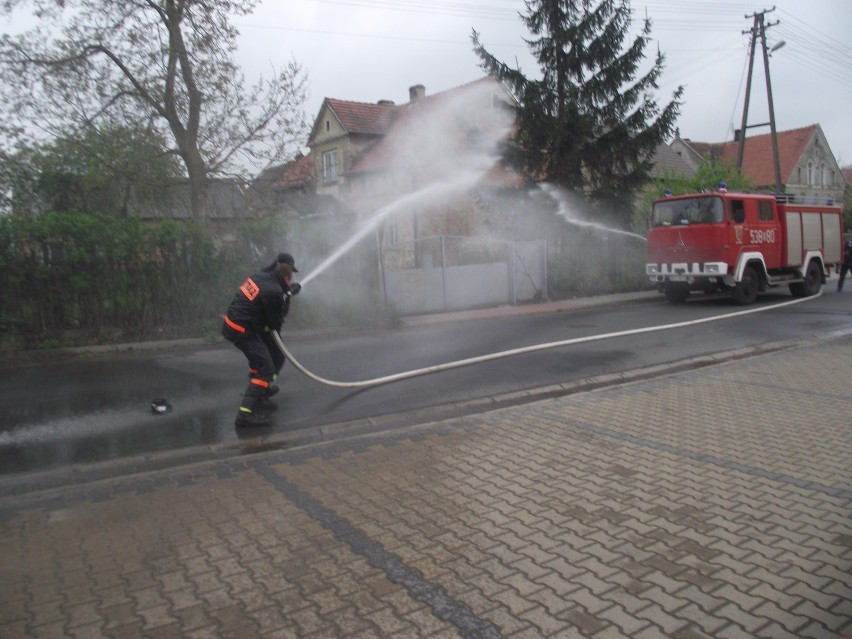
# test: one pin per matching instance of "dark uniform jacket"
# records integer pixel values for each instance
(261, 302)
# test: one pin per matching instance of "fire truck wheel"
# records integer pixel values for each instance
(812, 283)
(676, 292)
(813, 279)
(745, 292)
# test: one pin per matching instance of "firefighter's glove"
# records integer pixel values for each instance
(295, 287)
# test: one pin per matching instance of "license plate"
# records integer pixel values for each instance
(677, 278)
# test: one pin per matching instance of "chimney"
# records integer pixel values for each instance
(417, 92)
(385, 103)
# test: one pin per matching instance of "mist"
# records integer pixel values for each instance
(433, 194)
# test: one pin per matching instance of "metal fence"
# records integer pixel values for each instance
(448, 273)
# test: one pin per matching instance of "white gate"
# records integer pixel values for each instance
(447, 273)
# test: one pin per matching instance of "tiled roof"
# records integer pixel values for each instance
(362, 117)
(297, 172)
(665, 161)
(758, 162)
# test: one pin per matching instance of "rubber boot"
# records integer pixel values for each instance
(264, 403)
(252, 399)
(247, 419)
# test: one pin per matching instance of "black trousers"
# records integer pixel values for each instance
(845, 268)
(265, 360)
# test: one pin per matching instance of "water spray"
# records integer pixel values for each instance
(566, 213)
(523, 350)
(411, 200)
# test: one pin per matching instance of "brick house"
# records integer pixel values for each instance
(808, 167)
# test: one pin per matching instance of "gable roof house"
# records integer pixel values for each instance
(342, 132)
(366, 156)
(415, 172)
(808, 167)
(666, 161)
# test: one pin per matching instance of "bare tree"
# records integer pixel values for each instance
(166, 63)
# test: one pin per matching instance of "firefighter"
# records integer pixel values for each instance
(277, 355)
(258, 308)
(847, 261)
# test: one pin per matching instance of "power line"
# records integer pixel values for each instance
(818, 35)
(372, 36)
(435, 7)
(807, 45)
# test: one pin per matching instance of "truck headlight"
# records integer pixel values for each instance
(711, 268)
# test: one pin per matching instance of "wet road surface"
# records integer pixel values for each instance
(97, 407)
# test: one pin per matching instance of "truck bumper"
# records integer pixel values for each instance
(685, 272)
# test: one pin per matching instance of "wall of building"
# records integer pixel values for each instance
(817, 177)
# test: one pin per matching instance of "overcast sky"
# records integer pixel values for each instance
(368, 50)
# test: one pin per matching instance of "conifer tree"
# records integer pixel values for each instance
(588, 123)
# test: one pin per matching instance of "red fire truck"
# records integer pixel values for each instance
(744, 243)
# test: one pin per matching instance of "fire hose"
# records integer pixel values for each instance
(523, 350)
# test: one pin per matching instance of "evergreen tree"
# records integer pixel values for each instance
(588, 124)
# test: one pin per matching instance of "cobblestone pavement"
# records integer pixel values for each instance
(711, 503)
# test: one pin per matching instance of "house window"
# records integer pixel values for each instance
(823, 178)
(329, 166)
(810, 173)
(799, 174)
(392, 231)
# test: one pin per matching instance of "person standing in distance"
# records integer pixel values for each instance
(847, 261)
(258, 308)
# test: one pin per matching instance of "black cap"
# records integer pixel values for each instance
(286, 258)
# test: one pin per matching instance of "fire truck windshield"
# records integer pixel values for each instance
(686, 211)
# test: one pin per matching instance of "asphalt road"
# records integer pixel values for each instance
(94, 408)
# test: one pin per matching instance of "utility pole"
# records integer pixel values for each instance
(759, 30)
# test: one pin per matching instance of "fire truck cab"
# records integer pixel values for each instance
(743, 243)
